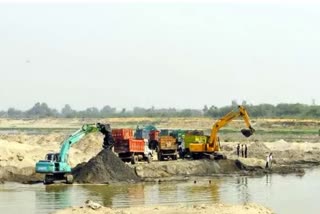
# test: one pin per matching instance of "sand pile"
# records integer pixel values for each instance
(38, 139)
(90, 144)
(106, 167)
(258, 150)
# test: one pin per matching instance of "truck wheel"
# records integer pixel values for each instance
(69, 179)
(195, 156)
(134, 159)
(160, 156)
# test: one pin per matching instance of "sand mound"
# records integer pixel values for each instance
(38, 139)
(91, 144)
(106, 167)
(258, 150)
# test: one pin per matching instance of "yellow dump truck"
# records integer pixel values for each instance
(167, 148)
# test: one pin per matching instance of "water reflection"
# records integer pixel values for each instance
(103, 193)
(207, 189)
(268, 179)
(54, 197)
(148, 194)
(242, 189)
(284, 194)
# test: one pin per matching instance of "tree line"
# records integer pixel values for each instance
(285, 110)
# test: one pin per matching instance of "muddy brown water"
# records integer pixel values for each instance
(284, 194)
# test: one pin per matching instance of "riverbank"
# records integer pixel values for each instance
(24, 142)
(20, 152)
(94, 208)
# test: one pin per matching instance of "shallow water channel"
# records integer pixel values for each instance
(284, 194)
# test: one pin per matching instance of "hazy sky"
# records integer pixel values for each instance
(163, 54)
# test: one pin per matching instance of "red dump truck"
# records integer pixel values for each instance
(130, 149)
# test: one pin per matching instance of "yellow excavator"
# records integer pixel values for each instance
(212, 147)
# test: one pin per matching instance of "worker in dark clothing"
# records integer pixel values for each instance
(238, 150)
(245, 151)
(242, 150)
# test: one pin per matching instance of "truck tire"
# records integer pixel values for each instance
(69, 179)
(134, 159)
(160, 158)
(195, 156)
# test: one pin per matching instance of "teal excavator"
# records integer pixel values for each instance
(56, 167)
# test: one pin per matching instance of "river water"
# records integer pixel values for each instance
(284, 194)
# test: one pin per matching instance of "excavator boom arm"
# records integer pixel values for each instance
(213, 141)
(74, 138)
(245, 117)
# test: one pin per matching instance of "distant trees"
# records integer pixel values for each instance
(267, 110)
(42, 110)
(13, 113)
(108, 111)
(68, 112)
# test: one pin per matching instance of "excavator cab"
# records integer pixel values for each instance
(53, 157)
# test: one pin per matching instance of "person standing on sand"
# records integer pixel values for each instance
(267, 161)
(270, 160)
(238, 150)
(242, 150)
(245, 151)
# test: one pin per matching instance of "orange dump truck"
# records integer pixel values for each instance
(167, 148)
(122, 134)
(130, 149)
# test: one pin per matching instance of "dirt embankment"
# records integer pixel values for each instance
(94, 208)
(184, 168)
(287, 157)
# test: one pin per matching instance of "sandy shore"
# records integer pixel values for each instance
(93, 208)
(20, 152)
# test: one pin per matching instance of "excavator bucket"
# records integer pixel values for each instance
(246, 132)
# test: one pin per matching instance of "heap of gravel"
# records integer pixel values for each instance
(105, 167)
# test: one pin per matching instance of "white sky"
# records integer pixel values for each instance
(163, 54)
